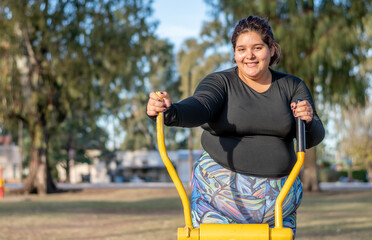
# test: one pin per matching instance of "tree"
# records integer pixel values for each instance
(74, 138)
(64, 56)
(355, 128)
(140, 131)
(320, 42)
(194, 63)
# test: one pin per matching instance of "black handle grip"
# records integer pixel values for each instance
(300, 133)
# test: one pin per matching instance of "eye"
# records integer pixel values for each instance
(258, 48)
(240, 49)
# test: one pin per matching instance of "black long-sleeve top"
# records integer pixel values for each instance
(244, 130)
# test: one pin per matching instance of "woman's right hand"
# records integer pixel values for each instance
(156, 104)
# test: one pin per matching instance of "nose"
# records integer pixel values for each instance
(250, 54)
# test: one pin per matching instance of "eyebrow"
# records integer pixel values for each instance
(257, 44)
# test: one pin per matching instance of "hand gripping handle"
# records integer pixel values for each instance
(300, 134)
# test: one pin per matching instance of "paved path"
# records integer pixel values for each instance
(105, 185)
(336, 186)
(115, 185)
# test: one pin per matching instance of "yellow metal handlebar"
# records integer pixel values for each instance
(227, 231)
(287, 186)
(172, 172)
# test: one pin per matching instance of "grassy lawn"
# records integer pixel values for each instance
(336, 215)
(144, 214)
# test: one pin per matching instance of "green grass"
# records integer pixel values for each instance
(144, 206)
(144, 214)
(336, 215)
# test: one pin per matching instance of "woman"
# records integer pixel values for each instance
(247, 113)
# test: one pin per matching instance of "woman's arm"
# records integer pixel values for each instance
(193, 111)
(306, 110)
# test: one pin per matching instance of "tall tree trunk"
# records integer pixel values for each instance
(39, 179)
(36, 179)
(68, 163)
(191, 154)
(190, 142)
(20, 146)
(310, 173)
(50, 185)
(70, 159)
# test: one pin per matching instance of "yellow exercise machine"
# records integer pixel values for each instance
(233, 231)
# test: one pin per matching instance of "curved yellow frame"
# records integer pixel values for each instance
(172, 172)
(227, 231)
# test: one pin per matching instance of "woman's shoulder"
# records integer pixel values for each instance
(285, 77)
(221, 78)
(224, 74)
(286, 80)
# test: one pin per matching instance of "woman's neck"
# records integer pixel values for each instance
(261, 84)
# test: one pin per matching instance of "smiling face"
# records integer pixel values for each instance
(252, 56)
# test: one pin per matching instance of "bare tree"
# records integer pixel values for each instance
(355, 128)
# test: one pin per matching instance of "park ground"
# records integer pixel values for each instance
(156, 213)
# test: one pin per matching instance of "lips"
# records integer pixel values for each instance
(251, 64)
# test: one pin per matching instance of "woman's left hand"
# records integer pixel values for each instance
(303, 110)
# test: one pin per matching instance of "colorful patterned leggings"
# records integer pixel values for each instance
(222, 196)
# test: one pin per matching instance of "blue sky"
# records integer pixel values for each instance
(179, 20)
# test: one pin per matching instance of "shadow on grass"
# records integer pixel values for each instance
(333, 230)
(332, 198)
(156, 205)
(336, 215)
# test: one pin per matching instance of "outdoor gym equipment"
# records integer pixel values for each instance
(234, 231)
(2, 184)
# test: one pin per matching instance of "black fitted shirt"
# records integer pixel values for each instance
(246, 131)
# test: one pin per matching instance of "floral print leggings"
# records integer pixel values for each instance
(222, 196)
